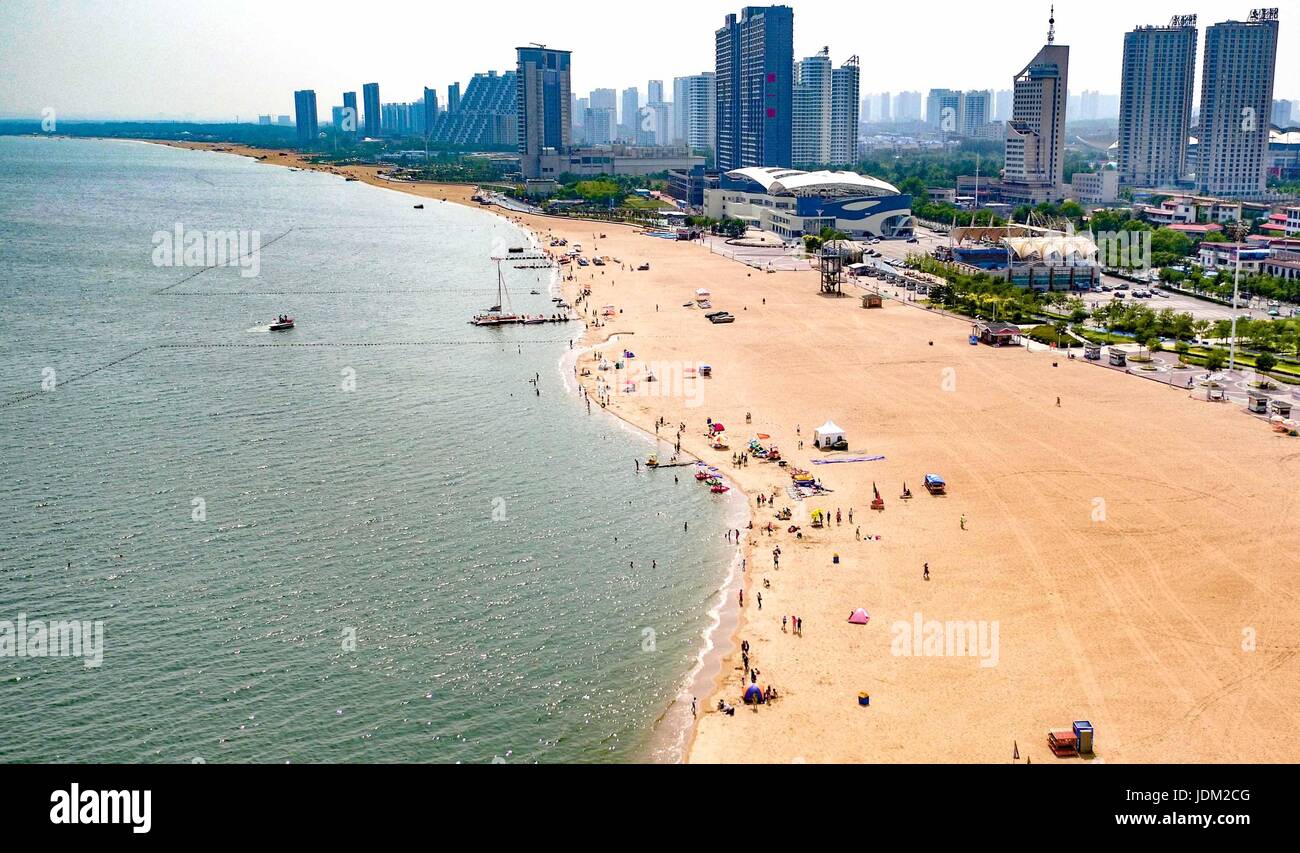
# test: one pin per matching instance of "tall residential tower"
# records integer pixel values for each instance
(1236, 105)
(1155, 102)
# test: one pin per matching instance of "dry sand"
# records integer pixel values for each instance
(1133, 546)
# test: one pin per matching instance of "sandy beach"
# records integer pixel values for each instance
(1129, 549)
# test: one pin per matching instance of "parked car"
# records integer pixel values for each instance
(722, 317)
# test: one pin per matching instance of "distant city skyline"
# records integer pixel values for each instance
(133, 59)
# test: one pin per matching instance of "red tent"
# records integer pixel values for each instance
(859, 617)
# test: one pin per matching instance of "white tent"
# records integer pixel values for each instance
(827, 435)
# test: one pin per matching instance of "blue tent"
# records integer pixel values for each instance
(753, 695)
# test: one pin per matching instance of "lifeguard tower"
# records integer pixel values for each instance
(832, 265)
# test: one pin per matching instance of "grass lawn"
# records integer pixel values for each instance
(641, 203)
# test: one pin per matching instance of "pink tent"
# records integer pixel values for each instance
(859, 617)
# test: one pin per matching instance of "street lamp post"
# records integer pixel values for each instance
(1239, 232)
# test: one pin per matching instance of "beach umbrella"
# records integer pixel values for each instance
(719, 428)
(764, 436)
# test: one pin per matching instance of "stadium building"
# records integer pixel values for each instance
(791, 203)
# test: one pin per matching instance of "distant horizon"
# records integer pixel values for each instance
(132, 60)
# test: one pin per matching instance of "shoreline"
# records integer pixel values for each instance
(1131, 620)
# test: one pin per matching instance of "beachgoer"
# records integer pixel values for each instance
(760, 600)
(782, 624)
(926, 575)
(963, 521)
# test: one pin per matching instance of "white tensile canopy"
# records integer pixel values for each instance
(827, 434)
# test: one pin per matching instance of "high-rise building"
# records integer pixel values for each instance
(1283, 113)
(604, 106)
(826, 111)
(598, 125)
(845, 104)
(429, 115)
(453, 97)
(1005, 101)
(631, 114)
(884, 113)
(351, 116)
(374, 114)
(695, 110)
(304, 106)
(1155, 110)
(486, 114)
(976, 111)
(655, 92)
(1035, 136)
(1236, 103)
(754, 84)
(543, 106)
(943, 110)
(907, 107)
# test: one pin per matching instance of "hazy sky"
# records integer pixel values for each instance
(215, 60)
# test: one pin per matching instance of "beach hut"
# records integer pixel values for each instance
(1282, 408)
(996, 334)
(859, 617)
(1118, 358)
(1256, 403)
(828, 436)
(872, 300)
(1092, 352)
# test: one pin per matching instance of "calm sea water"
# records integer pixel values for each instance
(474, 538)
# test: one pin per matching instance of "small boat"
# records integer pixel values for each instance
(701, 476)
(534, 293)
(282, 324)
(720, 490)
(419, 207)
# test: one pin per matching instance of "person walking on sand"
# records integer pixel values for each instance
(782, 624)
(760, 600)
(926, 574)
(1058, 402)
(963, 521)
(742, 598)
